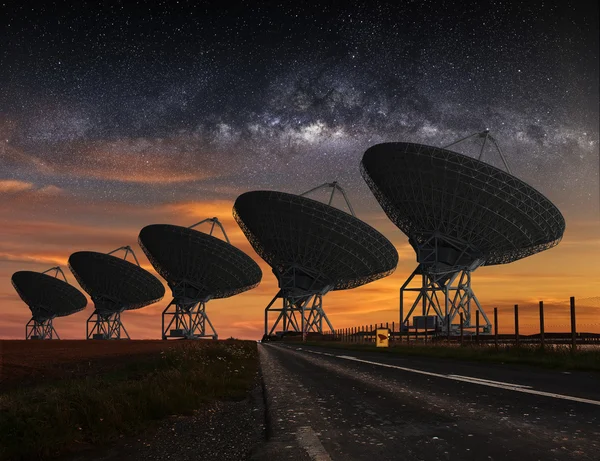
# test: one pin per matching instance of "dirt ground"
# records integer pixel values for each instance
(26, 363)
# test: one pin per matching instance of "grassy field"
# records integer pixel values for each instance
(558, 357)
(92, 397)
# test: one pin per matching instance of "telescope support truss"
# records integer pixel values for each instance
(214, 222)
(105, 325)
(40, 330)
(444, 298)
(486, 136)
(187, 321)
(301, 314)
(334, 186)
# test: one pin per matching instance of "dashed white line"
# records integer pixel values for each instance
(308, 440)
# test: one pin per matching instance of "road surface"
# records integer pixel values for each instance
(331, 404)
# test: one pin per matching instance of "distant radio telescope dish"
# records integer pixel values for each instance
(459, 213)
(48, 297)
(313, 248)
(115, 285)
(198, 267)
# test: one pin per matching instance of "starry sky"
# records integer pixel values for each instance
(114, 116)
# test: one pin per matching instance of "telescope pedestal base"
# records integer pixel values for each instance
(298, 314)
(187, 321)
(444, 298)
(105, 326)
(40, 330)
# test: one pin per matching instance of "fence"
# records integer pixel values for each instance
(365, 334)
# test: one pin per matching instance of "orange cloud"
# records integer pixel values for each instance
(10, 186)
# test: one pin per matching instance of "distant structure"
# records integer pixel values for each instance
(48, 297)
(459, 213)
(313, 248)
(198, 267)
(115, 285)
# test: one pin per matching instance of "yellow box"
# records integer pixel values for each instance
(382, 337)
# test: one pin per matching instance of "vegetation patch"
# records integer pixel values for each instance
(49, 419)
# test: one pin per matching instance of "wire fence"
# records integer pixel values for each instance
(433, 331)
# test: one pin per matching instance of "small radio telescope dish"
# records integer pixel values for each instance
(48, 297)
(198, 267)
(313, 248)
(115, 285)
(459, 213)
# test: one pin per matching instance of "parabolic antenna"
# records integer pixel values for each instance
(48, 297)
(198, 267)
(459, 213)
(312, 248)
(115, 285)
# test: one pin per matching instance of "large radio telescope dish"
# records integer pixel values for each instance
(328, 248)
(207, 266)
(312, 248)
(459, 213)
(115, 285)
(198, 267)
(478, 212)
(47, 297)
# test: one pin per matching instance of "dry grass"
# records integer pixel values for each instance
(120, 396)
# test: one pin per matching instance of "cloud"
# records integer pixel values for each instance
(10, 186)
(19, 188)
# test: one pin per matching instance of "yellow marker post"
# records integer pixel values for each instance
(382, 337)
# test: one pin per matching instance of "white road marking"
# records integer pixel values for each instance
(308, 440)
(470, 378)
(320, 353)
(481, 382)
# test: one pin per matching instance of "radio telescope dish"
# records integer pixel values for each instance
(313, 248)
(459, 213)
(115, 285)
(48, 297)
(198, 267)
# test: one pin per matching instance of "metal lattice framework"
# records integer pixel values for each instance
(48, 297)
(459, 213)
(312, 248)
(115, 285)
(197, 267)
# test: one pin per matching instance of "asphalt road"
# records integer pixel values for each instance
(329, 404)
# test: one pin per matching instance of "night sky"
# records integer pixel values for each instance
(118, 116)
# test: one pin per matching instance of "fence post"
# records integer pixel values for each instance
(573, 326)
(402, 319)
(542, 339)
(517, 325)
(477, 326)
(496, 327)
(461, 329)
